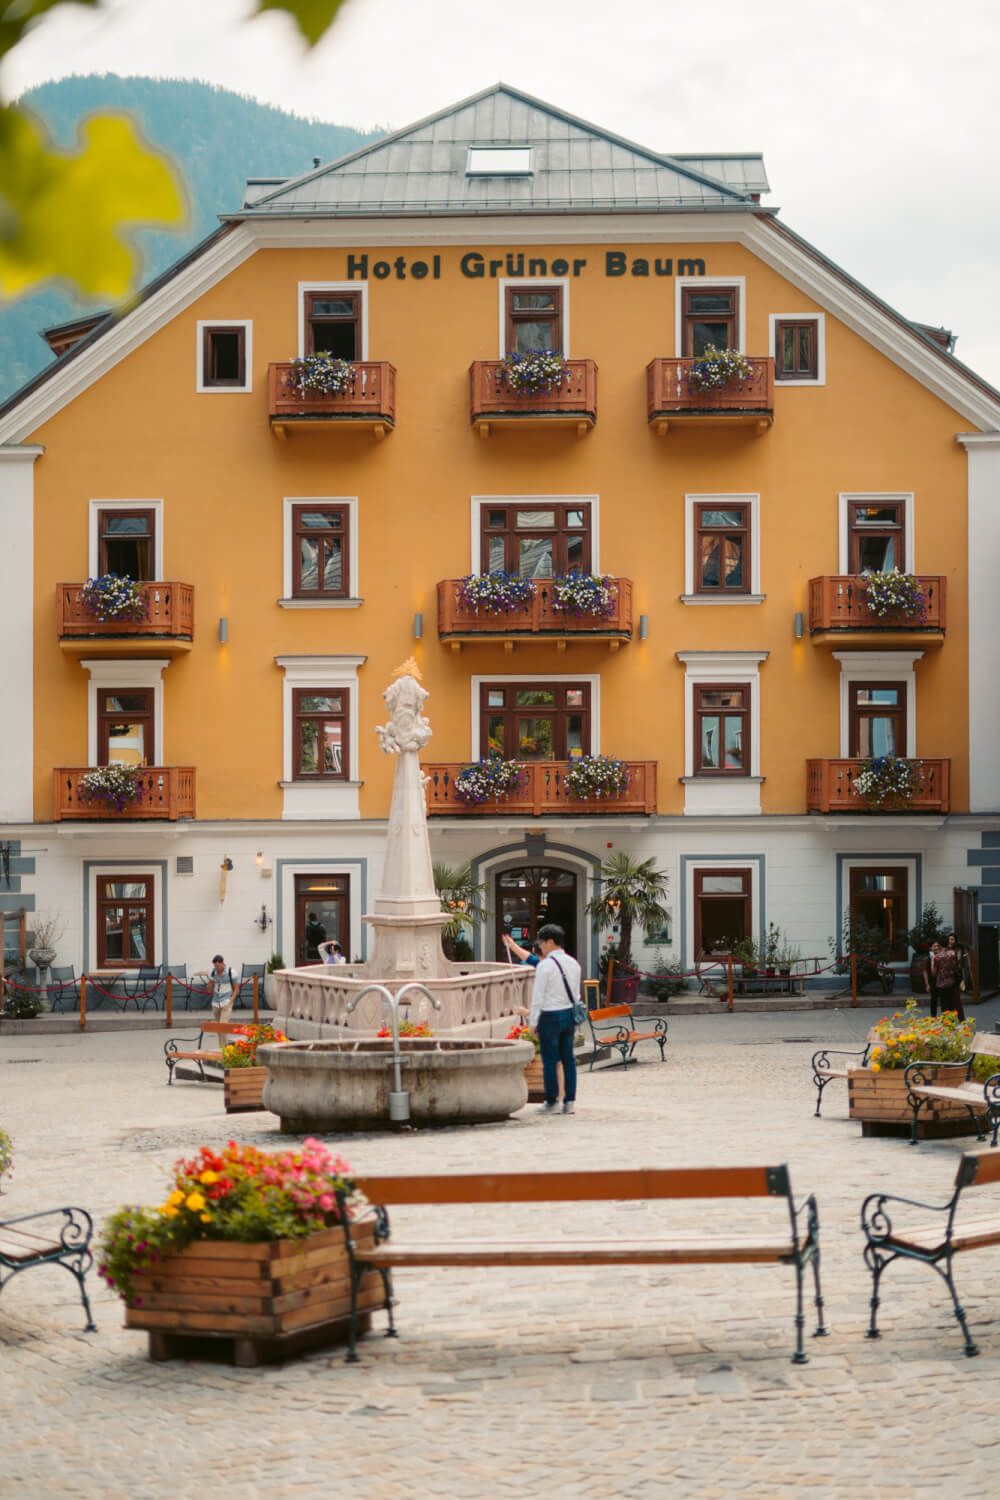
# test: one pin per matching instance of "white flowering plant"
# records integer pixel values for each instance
(584, 594)
(887, 780)
(894, 594)
(489, 781)
(324, 373)
(594, 778)
(111, 596)
(495, 593)
(720, 370)
(115, 787)
(536, 372)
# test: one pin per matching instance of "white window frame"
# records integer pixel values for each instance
(873, 498)
(689, 595)
(721, 796)
(593, 680)
(322, 798)
(288, 544)
(703, 282)
(878, 666)
(204, 389)
(531, 284)
(93, 539)
(333, 286)
(106, 672)
(800, 317)
(479, 503)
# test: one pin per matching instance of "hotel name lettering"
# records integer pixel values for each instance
(477, 266)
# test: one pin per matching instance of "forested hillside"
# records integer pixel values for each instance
(217, 138)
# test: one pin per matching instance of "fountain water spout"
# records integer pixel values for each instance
(399, 1099)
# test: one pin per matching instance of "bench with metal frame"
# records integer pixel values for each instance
(796, 1243)
(824, 1072)
(67, 1243)
(613, 1026)
(981, 1098)
(934, 1243)
(207, 1061)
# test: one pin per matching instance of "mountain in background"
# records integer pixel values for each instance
(217, 138)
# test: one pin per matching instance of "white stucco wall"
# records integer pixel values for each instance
(17, 621)
(983, 452)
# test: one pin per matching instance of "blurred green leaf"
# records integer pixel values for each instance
(67, 213)
(312, 16)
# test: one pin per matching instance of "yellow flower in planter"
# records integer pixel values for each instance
(208, 1177)
(195, 1202)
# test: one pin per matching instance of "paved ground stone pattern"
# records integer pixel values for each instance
(633, 1382)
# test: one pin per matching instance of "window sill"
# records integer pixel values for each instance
(319, 783)
(720, 780)
(319, 603)
(723, 599)
(811, 380)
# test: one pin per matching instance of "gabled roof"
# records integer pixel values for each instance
(575, 167)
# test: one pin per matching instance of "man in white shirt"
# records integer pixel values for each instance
(556, 991)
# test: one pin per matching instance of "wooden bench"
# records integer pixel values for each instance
(935, 1243)
(614, 1026)
(207, 1061)
(64, 1243)
(792, 1241)
(981, 1098)
(825, 1072)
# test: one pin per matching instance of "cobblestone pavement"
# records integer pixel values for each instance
(640, 1382)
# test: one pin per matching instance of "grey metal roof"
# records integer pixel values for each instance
(576, 167)
(742, 170)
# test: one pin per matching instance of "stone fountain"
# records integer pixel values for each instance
(334, 1073)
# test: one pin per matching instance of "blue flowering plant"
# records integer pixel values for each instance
(115, 787)
(495, 593)
(536, 372)
(490, 780)
(720, 370)
(594, 778)
(585, 595)
(323, 373)
(894, 595)
(887, 781)
(113, 597)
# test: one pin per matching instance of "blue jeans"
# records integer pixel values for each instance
(555, 1037)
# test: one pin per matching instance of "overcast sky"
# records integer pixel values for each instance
(877, 120)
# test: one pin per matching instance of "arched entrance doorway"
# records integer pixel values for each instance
(530, 896)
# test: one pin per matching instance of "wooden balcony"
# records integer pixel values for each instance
(537, 621)
(167, 792)
(544, 793)
(369, 405)
(572, 404)
(168, 627)
(838, 609)
(830, 788)
(672, 403)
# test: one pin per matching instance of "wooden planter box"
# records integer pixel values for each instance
(534, 1079)
(878, 1100)
(269, 1300)
(244, 1089)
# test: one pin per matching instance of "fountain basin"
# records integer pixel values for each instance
(345, 1085)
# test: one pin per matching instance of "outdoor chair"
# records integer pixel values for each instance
(245, 999)
(63, 988)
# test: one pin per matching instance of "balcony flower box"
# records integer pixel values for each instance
(729, 390)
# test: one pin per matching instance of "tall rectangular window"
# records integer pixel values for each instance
(876, 532)
(709, 319)
(534, 721)
(722, 729)
(535, 540)
(796, 349)
(125, 726)
(721, 909)
(333, 324)
(320, 734)
(224, 356)
(878, 718)
(534, 318)
(125, 921)
(126, 543)
(880, 899)
(722, 549)
(321, 551)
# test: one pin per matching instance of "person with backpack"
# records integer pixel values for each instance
(223, 989)
(554, 998)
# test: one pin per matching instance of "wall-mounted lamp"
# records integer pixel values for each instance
(223, 630)
(263, 921)
(799, 627)
(643, 627)
(259, 858)
(418, 627)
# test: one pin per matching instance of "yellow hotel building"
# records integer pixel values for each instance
(292, 548)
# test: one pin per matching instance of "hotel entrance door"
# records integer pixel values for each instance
(529, 897)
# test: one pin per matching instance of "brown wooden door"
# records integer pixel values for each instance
(880, 898)
(322, 914)
(529, 897)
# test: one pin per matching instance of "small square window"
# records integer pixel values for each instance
(223, 356)
(796, 349)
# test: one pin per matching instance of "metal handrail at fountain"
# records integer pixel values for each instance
(399, 1099)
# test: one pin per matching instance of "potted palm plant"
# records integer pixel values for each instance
(462, 898)
(632, 892)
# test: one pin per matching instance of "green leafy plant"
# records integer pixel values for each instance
(463, 898)
(664, 979)
(274, 963)
(6, 1156)
(907, 1038)
(930, 929)
(21, 1003)
(632, 892)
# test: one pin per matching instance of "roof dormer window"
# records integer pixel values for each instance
(498, 161)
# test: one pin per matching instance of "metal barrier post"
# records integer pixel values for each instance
(729, 970)
(83, 1002)
(169, 1015)
(255, 981)
(854, 979)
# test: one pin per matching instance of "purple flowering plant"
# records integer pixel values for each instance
(535, 372)
(596, 777)
(111, 596)
(488, 781)
(894, 595)
(495, 593)
(323, 373)
(720, 370)
(115, 787)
